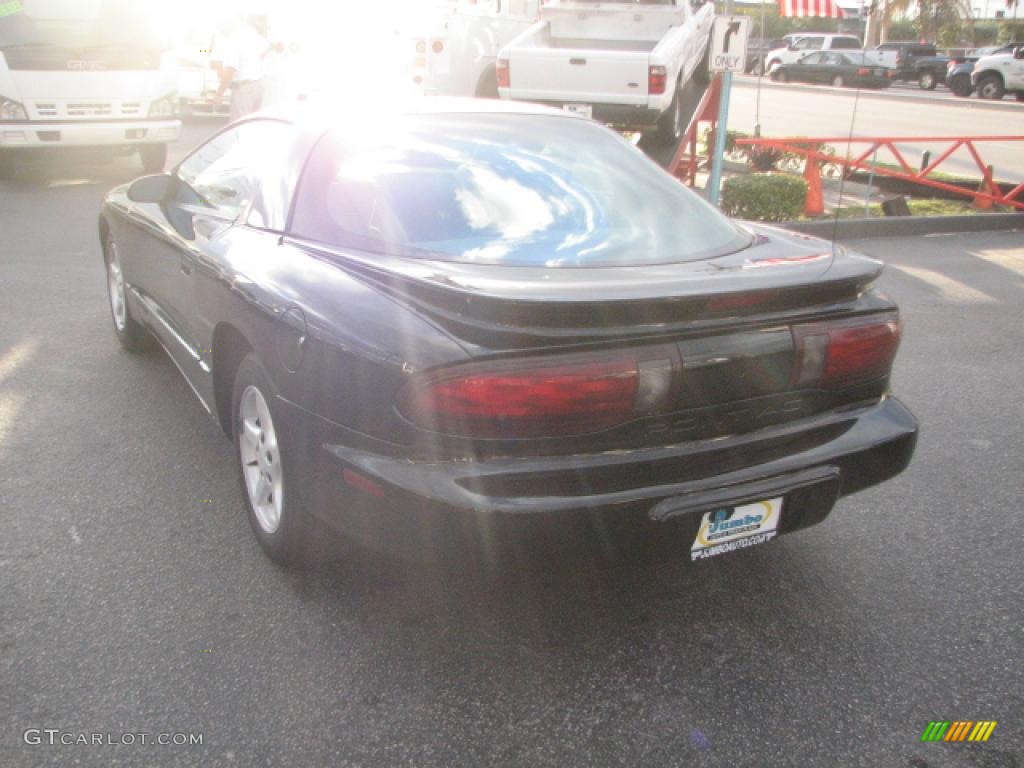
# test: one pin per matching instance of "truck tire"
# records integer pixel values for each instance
(702, 74)
(487, 88)
(960, 86)
(670, 124)
(927, 81)
(154, 157)
(6, 164)
(991, 87)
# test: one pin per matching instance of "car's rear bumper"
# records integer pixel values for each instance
(417, 509)
(45, 133)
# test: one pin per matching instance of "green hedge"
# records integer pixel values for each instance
(764, 197)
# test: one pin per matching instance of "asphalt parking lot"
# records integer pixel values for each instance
(135, 599)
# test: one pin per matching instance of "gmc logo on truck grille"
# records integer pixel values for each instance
(83, 65)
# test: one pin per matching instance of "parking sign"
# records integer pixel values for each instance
(729, 43)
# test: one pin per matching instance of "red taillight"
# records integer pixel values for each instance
(841, 353)
(863, 71)
(656, 80)
(437, 46)
(536, 399)
(504, 72)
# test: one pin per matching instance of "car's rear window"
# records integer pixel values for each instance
(515, 190)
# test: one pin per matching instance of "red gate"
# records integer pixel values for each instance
(988, 193)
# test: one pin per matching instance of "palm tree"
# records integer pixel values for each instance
(931, 14)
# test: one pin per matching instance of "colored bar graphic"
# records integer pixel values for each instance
(958, 730)
(935, 731)
(982, 730)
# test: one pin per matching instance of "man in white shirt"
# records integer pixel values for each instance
(242, 69)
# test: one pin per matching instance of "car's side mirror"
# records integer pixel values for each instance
(151, 189)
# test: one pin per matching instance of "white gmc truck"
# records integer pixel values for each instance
(85, 73)
(622, 63)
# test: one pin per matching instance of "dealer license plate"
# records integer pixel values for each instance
(586, 110)
(731, 528)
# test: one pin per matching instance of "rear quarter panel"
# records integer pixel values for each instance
(359, 345)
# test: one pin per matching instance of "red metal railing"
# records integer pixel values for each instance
(988, 193)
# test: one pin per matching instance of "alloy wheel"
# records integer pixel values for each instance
(261, 459)
(115, 287)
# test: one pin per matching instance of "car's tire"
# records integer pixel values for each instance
(774, 64)
(283, 528)
(132, 335)
(670, 125)
(927, 81)
(1019, 95)
(780, 76)
(758, 68)
(960, 86)
(838, 81)
(991, 87)
(154, 157)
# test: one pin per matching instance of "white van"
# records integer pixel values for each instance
(77, 73)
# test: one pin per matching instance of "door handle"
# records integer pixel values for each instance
(577, 62)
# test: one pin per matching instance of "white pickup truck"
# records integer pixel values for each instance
(621, 63)
(807, 43)
(1000, 73)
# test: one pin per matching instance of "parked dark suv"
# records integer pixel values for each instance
(918, 62)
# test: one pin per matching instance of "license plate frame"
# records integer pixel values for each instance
(584, 110)
(732, 528)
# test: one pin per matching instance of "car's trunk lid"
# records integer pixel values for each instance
(522, 307)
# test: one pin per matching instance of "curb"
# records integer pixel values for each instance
(750, 81)
(907, 226)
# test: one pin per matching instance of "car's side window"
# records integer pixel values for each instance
(845, 44)
(810, 44)
(812, 59)
(228, 172)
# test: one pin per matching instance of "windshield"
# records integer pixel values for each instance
(99, 35)
(515, 190)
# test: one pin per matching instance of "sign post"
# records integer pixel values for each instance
(728, 55)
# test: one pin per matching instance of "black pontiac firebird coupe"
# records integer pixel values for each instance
(472, 320)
